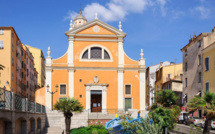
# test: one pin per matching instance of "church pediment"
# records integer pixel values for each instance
(95, 27)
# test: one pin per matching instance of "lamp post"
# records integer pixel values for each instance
(51, 92)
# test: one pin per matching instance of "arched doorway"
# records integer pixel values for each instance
(32, 125)
(5, 126)
(39, 131)
(21, 126)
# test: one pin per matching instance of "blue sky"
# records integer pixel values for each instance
(160, 27)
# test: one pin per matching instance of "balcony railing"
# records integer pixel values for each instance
(11, 101)
(5, 99)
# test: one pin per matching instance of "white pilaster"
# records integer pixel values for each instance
(104, 99)
(70, 51)
(142, 90)
(120, 90)
(88, 98)
(48, 82)
(48, 78)
(120, 52)
(120, 73)
(142, 72)
(71, 83)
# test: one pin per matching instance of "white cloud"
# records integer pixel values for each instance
(162, 4)
(116, 10)
(203, 11)
(71, 14)
(177, 14)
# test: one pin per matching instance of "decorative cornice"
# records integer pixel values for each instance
(71, 38)
(91, 23)
(48, 68)
(95, 35)
(97, 68)
(99, 40)
(96, 84)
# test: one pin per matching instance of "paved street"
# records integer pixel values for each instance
(185, 129)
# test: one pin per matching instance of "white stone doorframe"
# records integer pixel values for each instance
(101, 87)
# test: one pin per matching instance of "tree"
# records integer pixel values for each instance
(142, 127)
(166, 98)
(166, 113)
(206, 103)
(68, 106)
(1, 67)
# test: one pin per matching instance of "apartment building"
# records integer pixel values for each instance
(170, 77)
(18, 62)
(209, 68)
(39, 61)
(193, 64)
(150, 81)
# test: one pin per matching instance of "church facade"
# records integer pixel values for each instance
(96, 70)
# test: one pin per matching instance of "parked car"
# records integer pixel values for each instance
(194, 120)
(183, 116)
(212, 124)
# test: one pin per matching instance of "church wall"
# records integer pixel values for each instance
(59, 77)
(87, 76)
(62, 59)
(132, 78)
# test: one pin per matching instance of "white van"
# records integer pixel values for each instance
(183, 116)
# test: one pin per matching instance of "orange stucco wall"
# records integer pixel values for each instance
(40, 93)
(62, 59)
(86, 76)
(59, 77)
(132, 78)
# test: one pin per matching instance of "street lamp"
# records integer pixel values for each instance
(52, 92)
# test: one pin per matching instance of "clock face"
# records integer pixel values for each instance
(96, 29)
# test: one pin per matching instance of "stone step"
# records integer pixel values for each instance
(52, 130)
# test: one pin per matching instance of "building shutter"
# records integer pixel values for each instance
(1, 44)
(127, 89)
(62, 89)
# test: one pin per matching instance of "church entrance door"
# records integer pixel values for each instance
(96, 100)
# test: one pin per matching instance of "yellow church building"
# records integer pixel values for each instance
(96, 70)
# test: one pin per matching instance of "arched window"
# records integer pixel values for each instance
(96, 53)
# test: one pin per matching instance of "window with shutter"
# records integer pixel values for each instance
(207, 86)
(1, 31)
(127, 89)
(1, 44)
(207, 64)
(63, 89)
(200, 77)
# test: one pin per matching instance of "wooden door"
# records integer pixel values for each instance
(127, 104)
(96, 103)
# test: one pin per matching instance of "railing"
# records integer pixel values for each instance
(38, 108)
(5, 99)
(31, 106)
(11, 101)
